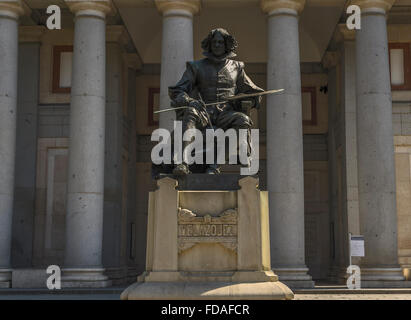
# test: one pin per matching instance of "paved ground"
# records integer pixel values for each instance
(320, 292)
(381, 296)
(60, 297)
(117, 297)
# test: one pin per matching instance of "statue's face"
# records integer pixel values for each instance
(218, 45)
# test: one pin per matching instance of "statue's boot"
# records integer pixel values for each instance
(182, 168)
(213, 169)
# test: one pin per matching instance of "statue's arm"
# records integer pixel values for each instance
(180, 93)
(246, 85)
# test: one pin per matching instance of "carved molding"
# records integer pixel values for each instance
(270, 5)
(165, 6)
(380, 4)
(104, 7)
(342, 33)
(14, 8)
(227, 216)
(188, 242)
(185, 245)
(194, 229)
(118, 34)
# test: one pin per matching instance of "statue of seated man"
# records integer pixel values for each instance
(210, 80)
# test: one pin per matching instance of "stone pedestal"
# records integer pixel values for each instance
(209, 244)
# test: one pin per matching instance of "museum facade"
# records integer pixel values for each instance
(76, 117)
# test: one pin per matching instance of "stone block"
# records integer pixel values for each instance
(400, 108)
(396, 124)
(406, 128)
(406, 117)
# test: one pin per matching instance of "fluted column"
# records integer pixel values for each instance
(285, 173)
(176, 48)
(9, 14)
(376, 167)
(84, 219)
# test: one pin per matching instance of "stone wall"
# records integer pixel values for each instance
(54, 120)
(401, 118)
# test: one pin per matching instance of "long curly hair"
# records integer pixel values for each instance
(230, 43)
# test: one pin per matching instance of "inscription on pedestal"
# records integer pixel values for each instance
(193, 229)
(207, 230)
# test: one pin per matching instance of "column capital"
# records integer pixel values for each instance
(268, 6)
(99, 8)
(13, 8)
(117, 34)
(379, 4)
(167, 7)
(342, 33)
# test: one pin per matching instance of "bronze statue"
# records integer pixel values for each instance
(209, 80)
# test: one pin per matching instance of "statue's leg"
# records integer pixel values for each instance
(237, 120)
(192, 119)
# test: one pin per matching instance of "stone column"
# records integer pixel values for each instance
(343, 155)
(375, 149)
(133, 64)
(84, 219)
(285, 174)
(114, 210)
(9, 14)
(26, 145)
(176, 48)
(331, 62)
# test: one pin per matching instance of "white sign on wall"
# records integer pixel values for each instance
(357, 246)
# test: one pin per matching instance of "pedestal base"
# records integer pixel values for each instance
(207, 291)
(84, 278)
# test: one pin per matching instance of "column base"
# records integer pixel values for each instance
(337, 275)
(117, 275)
(84, 278)
(295, 278)
(5, 278)
(383, 278)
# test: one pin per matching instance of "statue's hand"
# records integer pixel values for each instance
(198, 104)
(245, 104)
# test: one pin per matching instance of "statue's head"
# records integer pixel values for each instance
(219, 42)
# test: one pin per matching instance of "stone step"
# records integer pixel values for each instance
(339, 290)
(20, 291)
